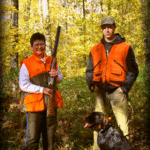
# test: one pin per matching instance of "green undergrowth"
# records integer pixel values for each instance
(78, 102)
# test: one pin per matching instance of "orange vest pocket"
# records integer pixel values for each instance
(34, 102)
(97, 76)
(35, 106)
(34, 97)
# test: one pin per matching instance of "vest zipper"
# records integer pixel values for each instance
(44, 65)
(120, 66)
(106, 65)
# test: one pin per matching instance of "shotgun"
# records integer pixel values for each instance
(51, 80)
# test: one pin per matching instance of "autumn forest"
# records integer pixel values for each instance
(80, 30)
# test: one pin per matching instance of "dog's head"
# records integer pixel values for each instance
(96, 120)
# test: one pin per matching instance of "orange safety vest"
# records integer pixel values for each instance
(35, 101)
(112, 69)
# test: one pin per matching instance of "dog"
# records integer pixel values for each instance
(108, 137)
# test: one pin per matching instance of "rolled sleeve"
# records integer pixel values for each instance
(60, 76)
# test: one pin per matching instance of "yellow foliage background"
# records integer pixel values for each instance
(78, 33)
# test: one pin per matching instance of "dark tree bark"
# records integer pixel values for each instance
(83, 9)
(1, 68)
(101, 6)
(146, 14)
(84, 26)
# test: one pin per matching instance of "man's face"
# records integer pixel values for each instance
(108, 32)
(39, 48)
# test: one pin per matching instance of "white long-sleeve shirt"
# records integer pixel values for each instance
(26, 85)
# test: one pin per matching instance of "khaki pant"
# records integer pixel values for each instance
(37, 123)
(116, 102)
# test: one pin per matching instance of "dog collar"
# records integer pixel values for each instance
(105, 128)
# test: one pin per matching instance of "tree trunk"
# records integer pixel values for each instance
(101, 6)
(14, 58)
(14, 24)
(84, 25)
(146, 13)
(84, 9)
(47, 26)
(109, 7)
(28, 9)
(40, 13)
(1, 66)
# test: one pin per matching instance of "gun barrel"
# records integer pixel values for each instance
(56, 42)
(50, 104)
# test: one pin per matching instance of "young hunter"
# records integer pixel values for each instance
(111, 71)
(33, 82)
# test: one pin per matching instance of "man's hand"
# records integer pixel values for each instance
(53, 73)
(94, 88)
(48, 91)
(120, 89)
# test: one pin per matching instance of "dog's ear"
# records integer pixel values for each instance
(89, 119)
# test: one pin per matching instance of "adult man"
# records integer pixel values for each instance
(33, 81)
(111, 72)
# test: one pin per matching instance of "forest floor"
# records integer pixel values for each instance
(70, 134)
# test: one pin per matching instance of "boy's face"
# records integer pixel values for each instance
(108, 32)
(39, 48)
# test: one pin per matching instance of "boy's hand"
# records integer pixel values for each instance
(120, 89)
(94, 88)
